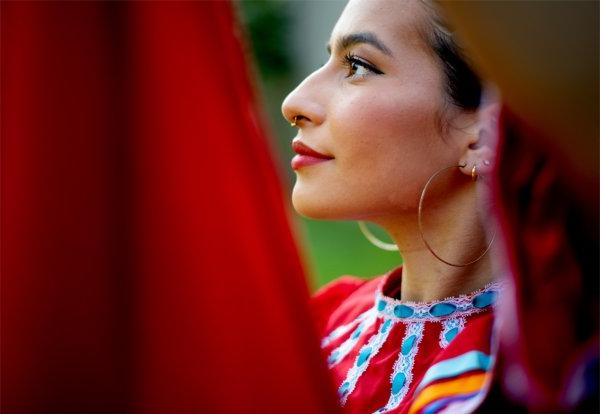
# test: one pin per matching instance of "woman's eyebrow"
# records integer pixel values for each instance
(352, 39)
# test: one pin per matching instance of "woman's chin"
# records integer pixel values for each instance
(307, 209)
(312, 206)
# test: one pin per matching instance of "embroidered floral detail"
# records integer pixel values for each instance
(341, 351)
(459, 306)
(402, 373)
(450, 328)
(341, 330)
(366, 353)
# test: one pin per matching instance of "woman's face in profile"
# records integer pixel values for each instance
(375, 108)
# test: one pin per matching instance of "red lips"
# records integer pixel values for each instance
(306, 156)
(303, 149)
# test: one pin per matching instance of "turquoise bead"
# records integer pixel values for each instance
(381, 305)
(484, 299)
(403, 311)
(344, 388)
(408, 344)
(333, 357)
(364, 355)
(451, 334)
(356, 333)
(398, 382)
(386, 325)
(442, 309)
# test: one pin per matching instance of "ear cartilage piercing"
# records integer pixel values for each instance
(474, 174)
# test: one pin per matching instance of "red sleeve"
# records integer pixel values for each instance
(328, 298)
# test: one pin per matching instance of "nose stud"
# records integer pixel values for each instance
(294, 120)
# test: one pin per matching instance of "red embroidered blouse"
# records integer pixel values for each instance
(388, 355)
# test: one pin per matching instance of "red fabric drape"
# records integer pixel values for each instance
(550, 343)
(148, 264)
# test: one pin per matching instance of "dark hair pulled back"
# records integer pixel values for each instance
(463, 85)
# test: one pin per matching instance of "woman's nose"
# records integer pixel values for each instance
(305, 105)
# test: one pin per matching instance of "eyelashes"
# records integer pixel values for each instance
(357, 67)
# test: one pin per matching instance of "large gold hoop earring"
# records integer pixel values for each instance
(474, 176)
(390, 247)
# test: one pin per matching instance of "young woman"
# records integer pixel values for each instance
(394, 130)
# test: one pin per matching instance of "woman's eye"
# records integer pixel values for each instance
(358, 68)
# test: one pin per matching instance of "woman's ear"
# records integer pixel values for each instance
(481, 147)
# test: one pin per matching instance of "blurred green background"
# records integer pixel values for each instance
(286, 41)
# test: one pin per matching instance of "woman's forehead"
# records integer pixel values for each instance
(395, 22)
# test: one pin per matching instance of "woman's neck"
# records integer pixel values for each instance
(453, 230)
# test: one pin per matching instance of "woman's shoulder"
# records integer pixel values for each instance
(344, 299)
(340, 288)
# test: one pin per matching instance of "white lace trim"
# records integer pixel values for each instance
(366, 353)
(447, 326)
(404, 365)
(339, 353)
(341, 330)
(462, 306)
